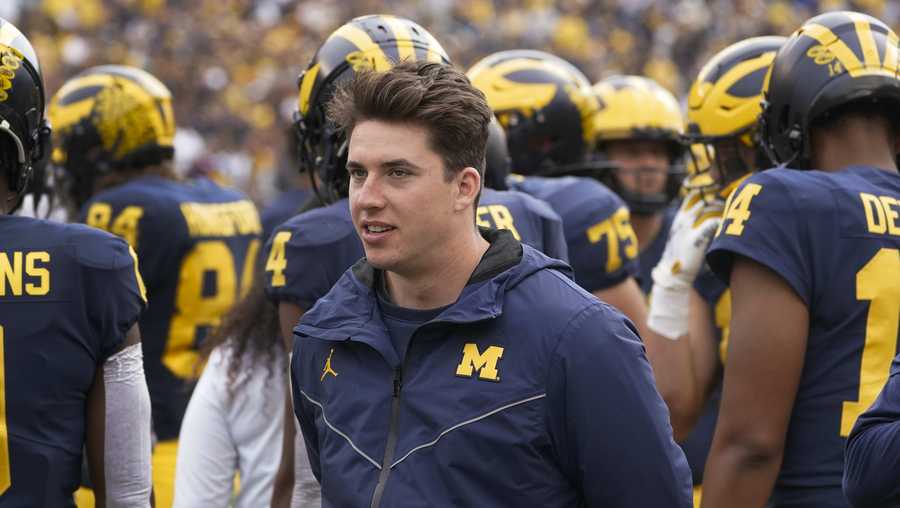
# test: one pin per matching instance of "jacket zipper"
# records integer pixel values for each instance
(391, 445)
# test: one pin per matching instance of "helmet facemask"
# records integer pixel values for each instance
(639, 199)
(719, 161)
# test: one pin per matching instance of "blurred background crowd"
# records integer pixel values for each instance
(232, 65)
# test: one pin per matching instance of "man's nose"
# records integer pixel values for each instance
(369, 193)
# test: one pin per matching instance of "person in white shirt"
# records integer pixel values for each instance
(234, 422)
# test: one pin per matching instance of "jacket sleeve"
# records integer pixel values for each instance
(872, 458)
(305, 414)
(609, 426)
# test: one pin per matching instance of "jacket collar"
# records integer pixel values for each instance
(350, 311)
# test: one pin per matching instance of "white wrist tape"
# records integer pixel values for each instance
(127, 441)
(669, 310)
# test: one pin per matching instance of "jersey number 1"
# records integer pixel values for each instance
(877, 283)
(5, 477)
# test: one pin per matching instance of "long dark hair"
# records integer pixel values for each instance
(249, 333)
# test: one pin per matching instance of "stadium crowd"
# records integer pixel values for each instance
(232, 65)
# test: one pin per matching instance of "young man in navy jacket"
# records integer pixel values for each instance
(455, 366)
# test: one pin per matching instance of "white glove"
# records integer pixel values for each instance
(692, 229)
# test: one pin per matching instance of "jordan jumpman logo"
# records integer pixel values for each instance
(328, 370)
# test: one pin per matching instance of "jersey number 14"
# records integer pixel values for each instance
(876, 282)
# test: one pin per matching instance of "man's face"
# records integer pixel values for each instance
(402, 206)
(644, 165)
(733, 159)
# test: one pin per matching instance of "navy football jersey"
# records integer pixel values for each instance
(68, 296)
(283, 207)
(718, 297)
(309, 253)
(835, 239)
(650, 256)
(530, 220)
(602, 245)
(197, 243)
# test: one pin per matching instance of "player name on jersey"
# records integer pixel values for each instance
(882, 214)
(221, 219)
(497, 217)
(24, 273)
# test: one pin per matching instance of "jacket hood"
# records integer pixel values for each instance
(349, 310)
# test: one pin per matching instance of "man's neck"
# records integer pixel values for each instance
(442, 284)
(123, 176)
(854, 143)
(646, 227)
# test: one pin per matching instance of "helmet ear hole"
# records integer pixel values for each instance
(795, 138)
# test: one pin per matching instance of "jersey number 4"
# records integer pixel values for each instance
(277, 261)
(876, 283)
(737, 210)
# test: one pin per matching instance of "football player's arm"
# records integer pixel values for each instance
(118, 428)
(766, 349)
(628, 298)
(673, 373)
(295, 483)
(289, 315)
(283, 486)
(602, 437)
(666, 334)
(872, 457)
(704, 357)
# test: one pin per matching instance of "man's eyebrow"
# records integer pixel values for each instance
(354, 165)
(399, 163)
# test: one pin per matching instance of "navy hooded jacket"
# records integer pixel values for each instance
(527, 391)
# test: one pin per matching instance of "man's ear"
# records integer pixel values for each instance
(468, 182)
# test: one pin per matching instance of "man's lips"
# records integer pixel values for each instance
(375, 230)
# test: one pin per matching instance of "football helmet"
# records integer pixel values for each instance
(109, 118)
(637, 108)
(724, 104)
(374, 42)
(832, 60)
(22, 119)
(497, 161)
(546, 107)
